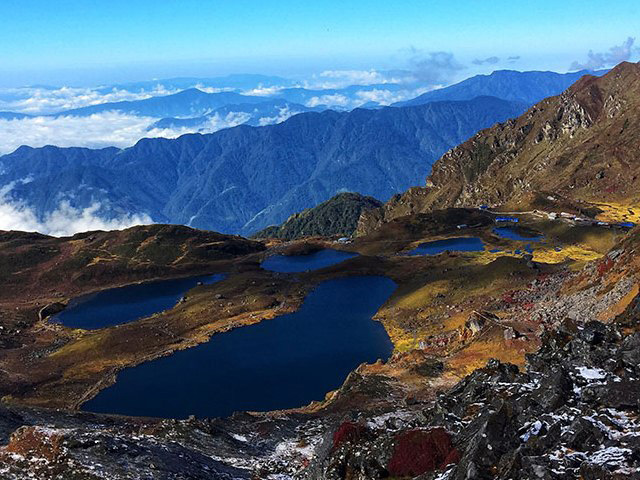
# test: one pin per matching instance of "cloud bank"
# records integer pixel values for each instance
(284, 113)
(434, 68)
(43, 101)
(64, 221)
(98, 130)
(380, 96)
(615, 55)
(486, 61)
(336, 79)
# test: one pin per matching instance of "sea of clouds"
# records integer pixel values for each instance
(98, 130)
(64, 221)
(47, 100)
(122, 130)
(94, 131)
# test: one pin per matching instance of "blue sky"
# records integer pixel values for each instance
(95, 41)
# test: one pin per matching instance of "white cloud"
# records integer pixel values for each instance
(261, 91)
(39, 101)
(98, 130)
(359, 98)
(387, 97)
(335, 100)
(203, 88)
(354, 77)
(64, 221)
(284, 114)
(334, 79)
(615, 55)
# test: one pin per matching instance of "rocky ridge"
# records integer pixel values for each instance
(578, 147)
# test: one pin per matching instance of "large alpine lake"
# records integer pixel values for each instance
(276, 364)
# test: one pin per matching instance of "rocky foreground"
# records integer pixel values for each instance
(572, 413)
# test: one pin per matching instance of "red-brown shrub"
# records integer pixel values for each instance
(420, 451)
(348, 432)
(605, 265)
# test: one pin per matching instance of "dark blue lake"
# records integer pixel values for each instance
(129, 303)
(281, 363)
(515, 234)
(302, 263)
(461, 244)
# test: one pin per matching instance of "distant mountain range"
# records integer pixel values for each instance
(191, 103)
(234, 82)
(278, 97)
(242, 179)
(525, 87)
(267, 112)
(13, 116)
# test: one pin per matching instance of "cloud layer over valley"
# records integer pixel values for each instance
(35, 116)
(48, 100)
(64, 221)
(98, 130)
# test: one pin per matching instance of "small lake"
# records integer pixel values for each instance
(302, 263)
(512, 233)
(461, 244)
(128, 303)
(276, 364)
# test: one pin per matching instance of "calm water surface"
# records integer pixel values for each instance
(461, 244)
(281, 363)
(129, 303)
(516, 234)
(302, 263)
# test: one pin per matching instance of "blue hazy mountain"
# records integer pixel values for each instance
(13, 116)
(245, 178)
(187, 103)
(526, 87)
(265, 113)
(192, 102)
(235, 82)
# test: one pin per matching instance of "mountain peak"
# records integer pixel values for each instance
(192, 92)
(630, 67)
